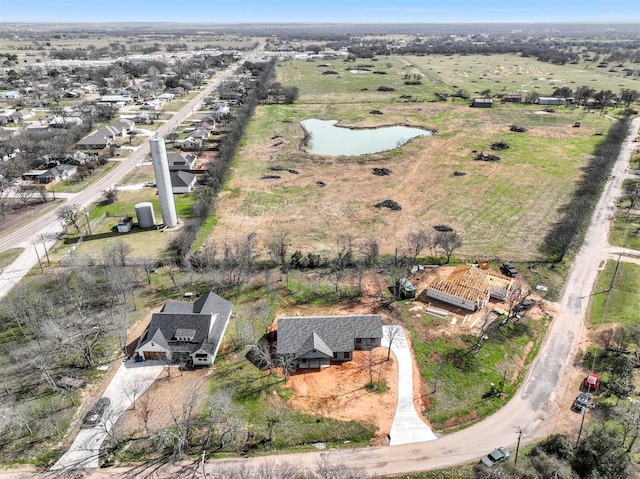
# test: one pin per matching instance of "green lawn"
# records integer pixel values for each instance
(459, 380)
(75, 184)
(144, 243)
(625, 230)
(622, 303)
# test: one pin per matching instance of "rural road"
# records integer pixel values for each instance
(29, 236)
(534, 409)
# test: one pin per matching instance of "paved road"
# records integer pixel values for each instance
(30, 234)
(533, 410)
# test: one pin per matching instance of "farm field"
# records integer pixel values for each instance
(502, 209)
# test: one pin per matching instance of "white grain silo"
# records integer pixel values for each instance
(144, 213)
(163, 181)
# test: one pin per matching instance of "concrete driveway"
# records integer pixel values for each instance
(407, 427)
(130, 381)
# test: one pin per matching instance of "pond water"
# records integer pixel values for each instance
(329, 139)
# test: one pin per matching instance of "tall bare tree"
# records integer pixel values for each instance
(448, 241)
(417, 241)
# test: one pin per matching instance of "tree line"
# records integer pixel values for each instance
(575, 214)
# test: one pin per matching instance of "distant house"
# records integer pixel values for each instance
(551, 100)
(182, 181)
(51, 175)
(482, 103)
(64, 121)
(470, 287)
(190, 144)
(10, 95)
(5, 116)
(20, 115)
(316, 341)
(512, 98)
(181, 161)
(102, 138)
(186, 332)
(165, 97)
(152, 105)
(115, 99)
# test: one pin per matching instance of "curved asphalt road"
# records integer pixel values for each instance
(533, 410)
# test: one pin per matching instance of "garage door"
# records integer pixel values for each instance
(157, 355)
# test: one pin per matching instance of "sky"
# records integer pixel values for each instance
(324, 11)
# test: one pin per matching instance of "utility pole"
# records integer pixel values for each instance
(86, 215)
(45, 249)
(584, 411)
(38, 256)
(515, 461)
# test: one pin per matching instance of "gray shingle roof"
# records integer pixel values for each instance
(176, 318)
(181, 178)
(299, 335)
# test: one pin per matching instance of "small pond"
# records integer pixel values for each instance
(329, 139)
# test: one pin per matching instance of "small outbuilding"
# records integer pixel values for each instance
(125, 224)
(482, 103)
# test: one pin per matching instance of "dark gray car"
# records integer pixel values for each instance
(494, 457)
(93, 417)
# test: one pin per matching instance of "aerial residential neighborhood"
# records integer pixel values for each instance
(361, 247)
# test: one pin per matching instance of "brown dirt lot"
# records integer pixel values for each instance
(422, 182)
(339, 391)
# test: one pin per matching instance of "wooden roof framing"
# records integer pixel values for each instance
(465, 282)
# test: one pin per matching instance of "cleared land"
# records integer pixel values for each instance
(502, 209)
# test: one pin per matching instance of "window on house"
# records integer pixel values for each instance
(335, 355)
(201, 355)
(347, 355)
(372, 340)
(358, 340)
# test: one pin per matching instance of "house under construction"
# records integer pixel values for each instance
(470, 287)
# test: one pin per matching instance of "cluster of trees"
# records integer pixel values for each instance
(559, 51)
(602, 453)
(278, 93)
(232, 264)
(604, 97)
(33, 145)
(61, 327)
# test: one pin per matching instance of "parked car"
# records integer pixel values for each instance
(524, 305)
(582, 402)
(494, 457)
(508, 269)
(93, 417)
(592, 381)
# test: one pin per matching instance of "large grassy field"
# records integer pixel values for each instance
(502, 209)
(443, 73)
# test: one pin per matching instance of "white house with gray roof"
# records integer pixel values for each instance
(186, 332)
(316, 341)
